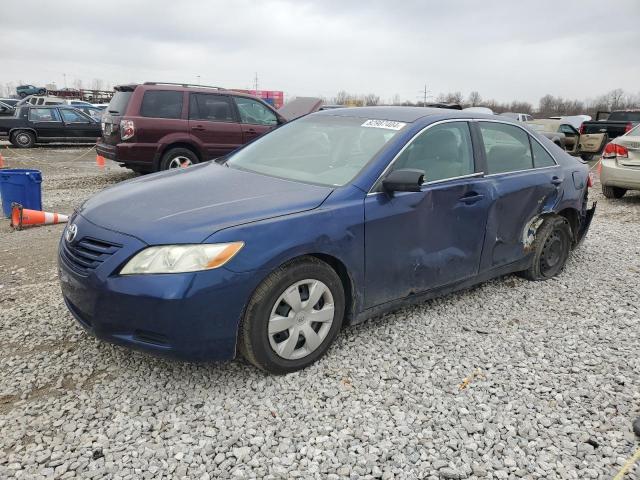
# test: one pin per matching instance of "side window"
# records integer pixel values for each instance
(541, 157)
(568, 130)
(441, 152)
(69, 116)
(161, 104)
(215, 108)
(254, 112)
(506, 147)
(43, 115)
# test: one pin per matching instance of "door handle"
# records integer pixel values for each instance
(197, 127)
(251, 130)
(471, 198)
(556, 180)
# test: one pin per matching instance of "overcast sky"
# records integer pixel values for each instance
(506, 50)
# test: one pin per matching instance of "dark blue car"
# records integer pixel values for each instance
(324, 222)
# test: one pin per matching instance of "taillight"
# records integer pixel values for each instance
(127, 129)
(581, 130)
(613, 150)
(628, 127)
(590, 180)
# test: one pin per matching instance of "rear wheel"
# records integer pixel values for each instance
(22, 94)
(293, 316)
(613, 192)
(587, 157)
(42, 91)
(23, 139)
(551, 249)
(178, 158)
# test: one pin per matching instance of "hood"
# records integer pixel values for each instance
(300, 107)
(188, 205)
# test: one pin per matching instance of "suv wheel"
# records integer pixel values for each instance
(293, 316)
(613, 192)
(178, 158)
(23, 139)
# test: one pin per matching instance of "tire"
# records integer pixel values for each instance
(42, 91)
(178, 157)
(613, 192)
(587, 157)
(23, 139)
(275, 351)
(22, 94)
(551, 249)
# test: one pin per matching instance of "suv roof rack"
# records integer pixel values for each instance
(186, 85)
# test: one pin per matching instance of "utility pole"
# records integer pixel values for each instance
(64, 75)
(255, 82)
(423, 95)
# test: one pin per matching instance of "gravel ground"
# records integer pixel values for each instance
(510, 379)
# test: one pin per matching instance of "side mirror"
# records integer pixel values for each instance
(404, 180)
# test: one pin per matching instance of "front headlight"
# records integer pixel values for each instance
(181, 258)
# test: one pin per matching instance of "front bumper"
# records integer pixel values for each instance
(613, 174)
(193, 316)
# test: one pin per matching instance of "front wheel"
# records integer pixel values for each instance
(551, 249)
(613, 192)
(293, 316)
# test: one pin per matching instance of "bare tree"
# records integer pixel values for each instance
(341, 98)
(97, 84)
(371, 99)
(474, 99)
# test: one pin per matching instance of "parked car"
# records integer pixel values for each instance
(567, 137)
(6, 110)
(575, 121)
(25, 90)
(57, 123)
(520, 117)
(42, 100)
(94, 112)
(330, 219)
(614, 123)
(483, 110)
(620, 165)
(158, 126)
(9, 101)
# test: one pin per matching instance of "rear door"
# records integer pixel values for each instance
(47, 122)
(256, 118)
(213, 123)
(112, 115)
(525, 179)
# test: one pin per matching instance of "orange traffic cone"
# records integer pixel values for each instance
(21, 217)
(100, 161)
(1, 160)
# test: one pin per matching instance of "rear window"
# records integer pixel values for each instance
(624, 117)
(119, 102)
(161, 104)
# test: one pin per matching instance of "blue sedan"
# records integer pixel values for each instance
(326, 221)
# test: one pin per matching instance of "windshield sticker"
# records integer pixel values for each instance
(388, 124)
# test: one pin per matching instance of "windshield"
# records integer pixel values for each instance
(322, 149)
(634, 132)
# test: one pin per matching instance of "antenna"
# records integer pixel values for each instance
(255, 82)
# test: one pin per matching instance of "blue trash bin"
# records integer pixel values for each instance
(21, 186)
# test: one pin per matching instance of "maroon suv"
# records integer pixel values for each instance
(157, 126)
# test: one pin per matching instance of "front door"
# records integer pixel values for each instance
(256, 118)
(78, 125)
(213, 123)
(417, 241)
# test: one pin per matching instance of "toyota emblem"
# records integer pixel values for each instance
(71, 232)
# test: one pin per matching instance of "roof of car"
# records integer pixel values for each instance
(400, 114)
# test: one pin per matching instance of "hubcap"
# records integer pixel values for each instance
(301, 319)
(180, 162)
(23, 139)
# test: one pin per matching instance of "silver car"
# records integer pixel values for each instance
(620, 165)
